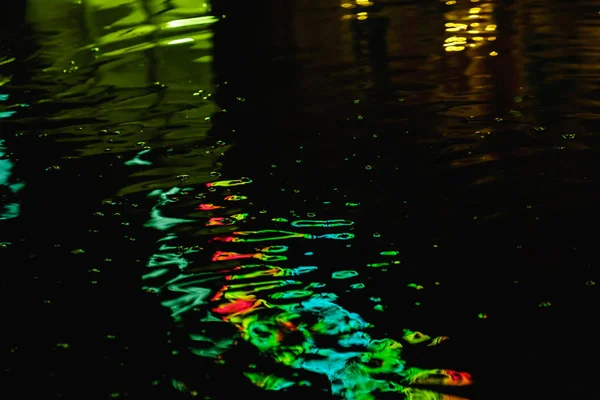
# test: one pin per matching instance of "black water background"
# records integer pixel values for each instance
(519, 350)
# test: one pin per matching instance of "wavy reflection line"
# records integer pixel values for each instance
(294, 323)
(10, 207)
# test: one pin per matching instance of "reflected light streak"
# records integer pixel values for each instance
(179, 41)
(179, 23)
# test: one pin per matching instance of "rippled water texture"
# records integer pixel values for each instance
(316, 199)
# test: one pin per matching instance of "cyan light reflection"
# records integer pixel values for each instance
(6, 114)
(8, 208)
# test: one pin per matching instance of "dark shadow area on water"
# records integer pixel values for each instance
(373, 127)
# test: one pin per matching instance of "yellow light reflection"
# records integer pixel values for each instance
(476, 23)
(450, 2)
(492, 38)
(493, 54)
(456, 39)
(453, 27)
(455, 48)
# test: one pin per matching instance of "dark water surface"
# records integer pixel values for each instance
(278, 199)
